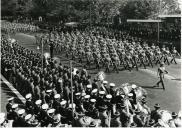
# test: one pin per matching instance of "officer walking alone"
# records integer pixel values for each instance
(161, 71)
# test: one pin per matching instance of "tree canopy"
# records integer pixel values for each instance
(81, 10)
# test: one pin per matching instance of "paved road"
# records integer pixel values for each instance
(169, 99)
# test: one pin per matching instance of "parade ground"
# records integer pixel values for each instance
(169, 99)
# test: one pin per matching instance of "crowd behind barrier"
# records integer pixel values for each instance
(47, 91)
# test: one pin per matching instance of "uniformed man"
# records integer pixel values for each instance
(30, 121)
(111, 89)
(100, 99)
(20, 122)
(37, 108)
(86, 102)
(29, 104)
(48, 97)
(92, 110)
(9, 104)
(155, 113)
(161, 72)
(56, 103)
(43, 115)
(13, 115)
(175, 121)
(174, 54)
(63, 111)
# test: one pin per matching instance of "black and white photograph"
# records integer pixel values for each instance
(90, 63)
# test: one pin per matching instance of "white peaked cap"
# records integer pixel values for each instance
(49, 91)
(105, 82)
(27, 117)
(37, 102)
(57, 96)
(77, 94)
(51, 111)
(28, 96)
(133, 86)
(102, 92)
(45, 106)
(63, 102)
(21, 111)
(93, 100)
(89, 86)
(94, 90)
(108, 96)
(14, 105)
(112, 84)
(87, 96)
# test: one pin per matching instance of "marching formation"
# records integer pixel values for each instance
(9, 27)
(49, 87)
(104, 48)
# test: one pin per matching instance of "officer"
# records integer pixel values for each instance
(9, 104)
(161, 72)
(29, 104)
(137, 119)
(155, 113)
(115, 121)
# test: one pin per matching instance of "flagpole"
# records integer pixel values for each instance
(71, 88)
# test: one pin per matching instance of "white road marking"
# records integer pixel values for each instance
(13, 89)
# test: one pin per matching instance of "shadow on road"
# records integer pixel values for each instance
(151, 87)
(178, 79)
